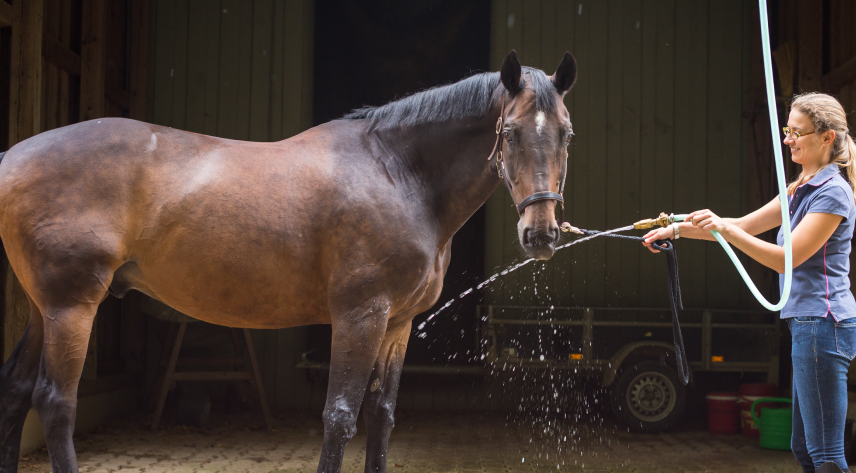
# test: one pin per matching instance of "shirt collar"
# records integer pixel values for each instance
(824, 175)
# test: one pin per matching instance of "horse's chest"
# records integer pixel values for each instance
(429, 291)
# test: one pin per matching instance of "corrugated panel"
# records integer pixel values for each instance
(220, 67)
(658, 117)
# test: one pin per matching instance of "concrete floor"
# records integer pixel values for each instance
(421, 442)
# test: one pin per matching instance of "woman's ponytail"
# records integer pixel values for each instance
(847, 161)
(826, 113)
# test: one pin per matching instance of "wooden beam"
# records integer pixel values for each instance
(810, 49)
(211, 375)
(139, 60)
(26, 70)
(92, 105)
(55, 53)
(5, 84)
(5, 14)
(92, 70)
(844, 74)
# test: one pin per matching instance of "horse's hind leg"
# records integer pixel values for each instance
(17, 379)
(357, 336)
(55, 396)
(381, 394)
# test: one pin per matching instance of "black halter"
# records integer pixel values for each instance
(503, 174)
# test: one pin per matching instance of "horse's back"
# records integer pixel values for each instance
(178, 215)
(121, 168)
(91, 171)
(89, 160)
(196, 221)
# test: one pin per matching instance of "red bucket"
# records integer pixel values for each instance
(722, 414)
(750, 393)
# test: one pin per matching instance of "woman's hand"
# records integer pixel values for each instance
(658, 234)
(709, 221)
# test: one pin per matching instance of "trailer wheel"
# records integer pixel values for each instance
(648, 397)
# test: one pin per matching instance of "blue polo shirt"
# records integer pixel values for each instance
(821, 284)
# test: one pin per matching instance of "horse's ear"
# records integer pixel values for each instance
(510, 72)
(566, 74)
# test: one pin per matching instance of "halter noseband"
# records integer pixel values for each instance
(503, 174)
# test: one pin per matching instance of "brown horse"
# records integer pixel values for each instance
(349, 223)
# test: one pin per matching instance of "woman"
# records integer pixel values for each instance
(821, 307)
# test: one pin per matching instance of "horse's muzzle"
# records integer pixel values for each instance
(540, 243)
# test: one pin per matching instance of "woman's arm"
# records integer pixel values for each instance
(766, 218)
(811, 234)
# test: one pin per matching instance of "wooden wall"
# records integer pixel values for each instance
(241, 70)
(61, 62)
(662, 124)
(61, 82)
(839, 52)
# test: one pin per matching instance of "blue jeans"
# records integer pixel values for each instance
(821, 350)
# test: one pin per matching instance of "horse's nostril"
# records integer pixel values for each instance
(542, 237)
(537, 238)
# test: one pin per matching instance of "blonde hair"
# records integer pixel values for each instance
(826, 113)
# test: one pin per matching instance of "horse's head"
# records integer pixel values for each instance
(535, 130)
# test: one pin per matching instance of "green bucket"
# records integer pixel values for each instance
(774, 423)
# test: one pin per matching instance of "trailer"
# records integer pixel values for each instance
(631, 350)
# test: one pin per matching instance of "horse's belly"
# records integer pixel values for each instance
(253, 289)
(235, 305)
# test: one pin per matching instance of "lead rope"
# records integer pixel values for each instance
(674, 295)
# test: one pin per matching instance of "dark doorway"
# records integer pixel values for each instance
(372, 52)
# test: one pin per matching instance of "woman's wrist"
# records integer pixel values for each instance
(676, 231)
(728, 229)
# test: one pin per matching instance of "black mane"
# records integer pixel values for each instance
(471, 97)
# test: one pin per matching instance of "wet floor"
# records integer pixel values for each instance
(421, 442)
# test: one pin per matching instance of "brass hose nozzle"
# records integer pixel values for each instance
(662, 221)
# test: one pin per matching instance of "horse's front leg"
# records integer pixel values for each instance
(357, 336)
(382, 392)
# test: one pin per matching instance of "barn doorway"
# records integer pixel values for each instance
(370, 53)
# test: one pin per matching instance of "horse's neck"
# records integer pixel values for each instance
(453, 160)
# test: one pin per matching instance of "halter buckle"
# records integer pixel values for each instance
(499, 165)
(498, 125)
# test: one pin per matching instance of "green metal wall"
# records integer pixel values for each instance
(232, 68)
(659, 116)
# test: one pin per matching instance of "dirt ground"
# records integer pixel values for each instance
(421, 442)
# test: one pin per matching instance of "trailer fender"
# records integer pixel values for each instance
(615, 363)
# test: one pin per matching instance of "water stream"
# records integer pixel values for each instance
(511, 269)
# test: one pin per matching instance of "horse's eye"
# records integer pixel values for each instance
(507, 136)
(568, 139)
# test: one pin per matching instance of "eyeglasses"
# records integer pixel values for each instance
(795, 134)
